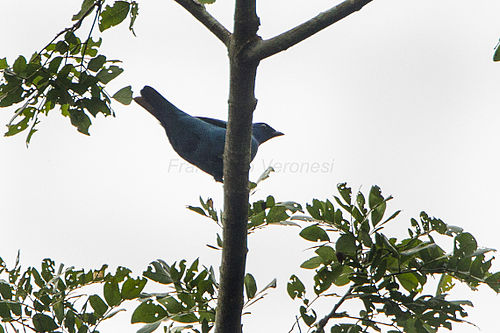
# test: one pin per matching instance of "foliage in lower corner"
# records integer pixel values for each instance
(355, 262)
(54, 298)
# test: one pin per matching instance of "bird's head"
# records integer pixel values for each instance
(263, 132)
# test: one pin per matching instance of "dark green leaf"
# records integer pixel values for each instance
(185, 318)
(171, 304)
(346, 244)
(5, 290)
(62, 47)
(148, 312)
(308, 319)
(114, 15)
(133, 15)
(98, 305)
(105, 75)
(132, 288)
(314, 233)
(465, 244)
(112, 293)
(345, 192)
(326, 253)
(43, 323)
(250, 285)
(80, 120)
(19, 65)
(295, 287)
(494, 281)
(377, 204)
(86, 5)
(95, 64)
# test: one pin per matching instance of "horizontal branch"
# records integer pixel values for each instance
(269, 47)
(200, 13)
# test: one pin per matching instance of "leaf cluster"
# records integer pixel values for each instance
(68, 72)
(190, 298)
(387, 275)
(51, 298)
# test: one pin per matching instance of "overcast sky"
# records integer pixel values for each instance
(403, 94)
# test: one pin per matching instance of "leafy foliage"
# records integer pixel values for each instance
(389, 276)
(261, 213)
(52, 299)
(68, 72)
(190, 298)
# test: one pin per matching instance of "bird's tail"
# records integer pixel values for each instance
(155, 103)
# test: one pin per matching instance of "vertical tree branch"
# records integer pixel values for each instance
(236, 166)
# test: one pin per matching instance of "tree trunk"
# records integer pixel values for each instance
(242, 103)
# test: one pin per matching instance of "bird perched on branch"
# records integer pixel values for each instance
(198, 140)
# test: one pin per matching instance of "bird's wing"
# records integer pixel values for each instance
(216, 122)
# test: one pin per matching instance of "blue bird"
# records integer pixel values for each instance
(198, 140)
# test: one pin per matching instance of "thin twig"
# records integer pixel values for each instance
(324, 321)
(200, 13)
(266, 48)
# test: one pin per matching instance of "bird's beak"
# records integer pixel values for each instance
(277, 133)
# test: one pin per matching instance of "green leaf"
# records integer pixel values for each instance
(5, 290)
(124, 95)
(377, 204)
(112, 293)
(148, 328)
(98, 305)
(171, 304)
(62, 47)
(114, 15)
(250, 285)
(346, 244)
(105, 75)
(133, 15)
(496, 55)
(308, 319)
(314, 233)
(465, 244)
(132, 288)
(344, 277)
(494, 281)
(19, 65)
(408, 280)
(148, 312)
(44, 323)
(95, 64)
(185, 318)
(86, 5)
(326, 253)
(3, 63)
(295, 287)
(312, 263)
(158, 271)
(345, 192)
(206, 2)
(80, 120)
(445, 284)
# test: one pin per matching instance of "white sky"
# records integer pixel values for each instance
(403, 94)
